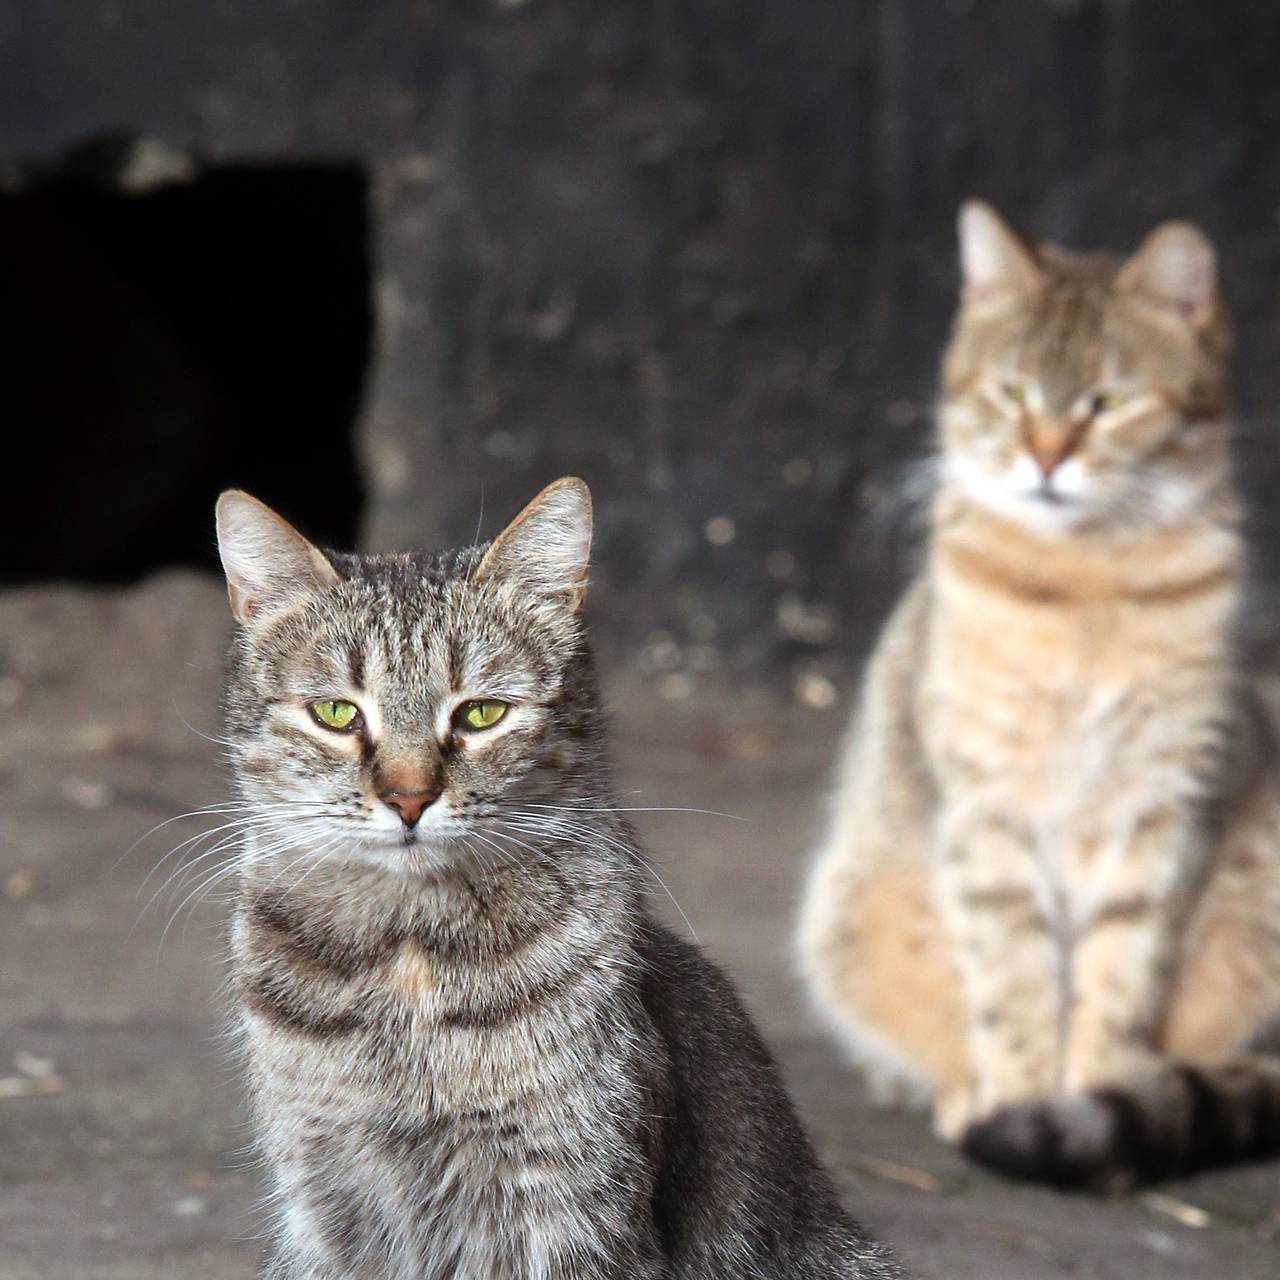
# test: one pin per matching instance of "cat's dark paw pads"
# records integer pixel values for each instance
(1070, 1143)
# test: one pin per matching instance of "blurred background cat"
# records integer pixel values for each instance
(1050, 903)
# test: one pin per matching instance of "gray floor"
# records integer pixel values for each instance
(122, 1146)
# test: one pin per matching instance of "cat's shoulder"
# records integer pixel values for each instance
(694, 1003)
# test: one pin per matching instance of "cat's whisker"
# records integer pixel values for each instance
(181, 874)
(220, 875)
(220, 742)
(232, 832)
(574, 831)
(504, 857)
(240, 824)
(537, 854)
(648, 808)
(316, 853)
(466, 608)
(216, 810)
(486, 865)
(278, 843)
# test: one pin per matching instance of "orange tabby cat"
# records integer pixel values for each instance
(1051, 899)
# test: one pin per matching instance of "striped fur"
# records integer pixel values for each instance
(472, 1054)
(1050, 904)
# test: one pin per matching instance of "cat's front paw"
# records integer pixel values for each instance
(958, 1108)
(1078, 1143)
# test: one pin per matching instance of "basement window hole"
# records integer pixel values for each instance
(175, 328)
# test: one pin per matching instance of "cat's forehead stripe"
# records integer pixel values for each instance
(355, 666)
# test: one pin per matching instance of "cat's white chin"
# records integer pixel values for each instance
(415, 859)
(419, 854)
(1022, 497)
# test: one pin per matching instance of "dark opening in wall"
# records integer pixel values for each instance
(172, 329)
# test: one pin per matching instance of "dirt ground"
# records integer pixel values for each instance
(122, 1141)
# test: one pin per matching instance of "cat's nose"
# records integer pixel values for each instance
(1049, 457)
(410, 805)
(1050, 448)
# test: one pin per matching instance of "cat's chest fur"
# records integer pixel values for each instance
(429, 1088)
(1068, 710)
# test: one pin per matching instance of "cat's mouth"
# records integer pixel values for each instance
(1050, 496)
(408, 854)
(410, 839)
(428, 858)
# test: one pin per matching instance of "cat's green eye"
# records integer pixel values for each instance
(1105, 401)
(482, 713)
(1014, 391)
(333, 713)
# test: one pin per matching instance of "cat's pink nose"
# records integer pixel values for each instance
(409, 804)
(1049, 457)
(1051, 446)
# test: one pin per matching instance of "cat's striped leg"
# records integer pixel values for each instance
(1010, 961)
(1124, 957)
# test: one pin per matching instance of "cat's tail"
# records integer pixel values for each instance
(1174, 1121)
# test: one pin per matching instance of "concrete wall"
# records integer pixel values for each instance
(698, 252)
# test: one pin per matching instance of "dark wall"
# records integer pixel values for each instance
(698, 252)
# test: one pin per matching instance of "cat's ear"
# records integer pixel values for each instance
(995, 262)
(548, 545)
(266, 560)
(1175, 269)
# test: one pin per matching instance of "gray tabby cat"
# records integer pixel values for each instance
(472, 1052)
